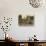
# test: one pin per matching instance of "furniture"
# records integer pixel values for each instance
(2, 43)
(22, 43)
(28, 43)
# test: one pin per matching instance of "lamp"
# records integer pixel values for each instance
(35, 3)
(6, 26)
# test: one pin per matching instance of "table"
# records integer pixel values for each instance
(27, 42)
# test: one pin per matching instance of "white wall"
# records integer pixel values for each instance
(12, 8)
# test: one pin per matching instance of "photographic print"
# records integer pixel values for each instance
(26, 21)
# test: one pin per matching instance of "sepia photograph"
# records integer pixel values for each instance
(26, 21)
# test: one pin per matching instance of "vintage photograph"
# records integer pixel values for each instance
(26, 21)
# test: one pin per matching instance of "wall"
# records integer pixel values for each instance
(12, 8)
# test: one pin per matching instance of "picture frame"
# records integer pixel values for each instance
(26, 21)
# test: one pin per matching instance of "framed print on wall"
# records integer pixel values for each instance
(25, 21)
